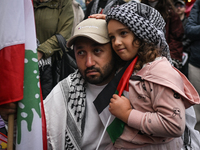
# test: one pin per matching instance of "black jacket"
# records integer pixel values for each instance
(192, 31)
(102, 4)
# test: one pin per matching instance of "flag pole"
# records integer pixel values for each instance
(10, 131)
(103, 132)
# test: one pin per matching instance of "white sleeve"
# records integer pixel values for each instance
(191, 136)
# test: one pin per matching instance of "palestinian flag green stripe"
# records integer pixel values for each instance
(116, 128)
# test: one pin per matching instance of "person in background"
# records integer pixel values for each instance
(101, 6)
(78, 14)
(51, 17)
(192, 31)
(82, 4)
(87, 2)
(2, 127)
(180, 10)
(60, 20)
(173, 30)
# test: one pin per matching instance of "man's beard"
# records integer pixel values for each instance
(105, 73)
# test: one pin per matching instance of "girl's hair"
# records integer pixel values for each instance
(147, 52)
(163, 6)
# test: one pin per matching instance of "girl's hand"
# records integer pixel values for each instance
(120, 107)
(98, 16)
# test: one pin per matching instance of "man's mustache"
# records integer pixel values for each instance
(92, 69)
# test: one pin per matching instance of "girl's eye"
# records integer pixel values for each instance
(111, 37)
(124, 33)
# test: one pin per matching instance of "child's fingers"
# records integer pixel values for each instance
(97, 16)
(124, 98)
(112, 100)
(115, 96)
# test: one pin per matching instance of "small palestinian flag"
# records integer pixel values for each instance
(118, 85)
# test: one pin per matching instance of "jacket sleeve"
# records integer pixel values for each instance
(166, 118)
(192, 29)
(65, 24)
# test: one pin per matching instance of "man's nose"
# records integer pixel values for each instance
(90, 61)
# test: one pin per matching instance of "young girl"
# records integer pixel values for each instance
(154, 109)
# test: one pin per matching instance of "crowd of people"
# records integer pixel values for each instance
(147, 50)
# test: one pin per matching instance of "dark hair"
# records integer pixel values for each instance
(147, 52)
(163, 7)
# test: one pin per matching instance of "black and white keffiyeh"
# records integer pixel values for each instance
(144, 21)
(76, 99)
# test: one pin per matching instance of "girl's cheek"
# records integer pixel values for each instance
(113, 46)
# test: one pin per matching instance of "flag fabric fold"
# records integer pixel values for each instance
(118, 85)
(12, 51)
(19, 72)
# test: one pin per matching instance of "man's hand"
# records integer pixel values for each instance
(7, 109)
(120, 107)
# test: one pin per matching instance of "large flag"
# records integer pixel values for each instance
(119, 85)
(19, 72)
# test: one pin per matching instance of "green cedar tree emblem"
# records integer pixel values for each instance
(31, 99)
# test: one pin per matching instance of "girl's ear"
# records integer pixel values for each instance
(137, 43)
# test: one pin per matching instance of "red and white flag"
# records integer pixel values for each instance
(19, 73)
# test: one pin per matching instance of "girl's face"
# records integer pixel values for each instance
(122, 40)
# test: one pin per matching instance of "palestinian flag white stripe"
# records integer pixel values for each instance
(119, 85)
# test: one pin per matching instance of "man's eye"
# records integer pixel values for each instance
(80, 52)
(97, 50)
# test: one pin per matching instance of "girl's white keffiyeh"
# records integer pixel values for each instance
(144, 21)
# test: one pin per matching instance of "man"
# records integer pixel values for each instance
(71, 118)
(180, 10)
(77, 124)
